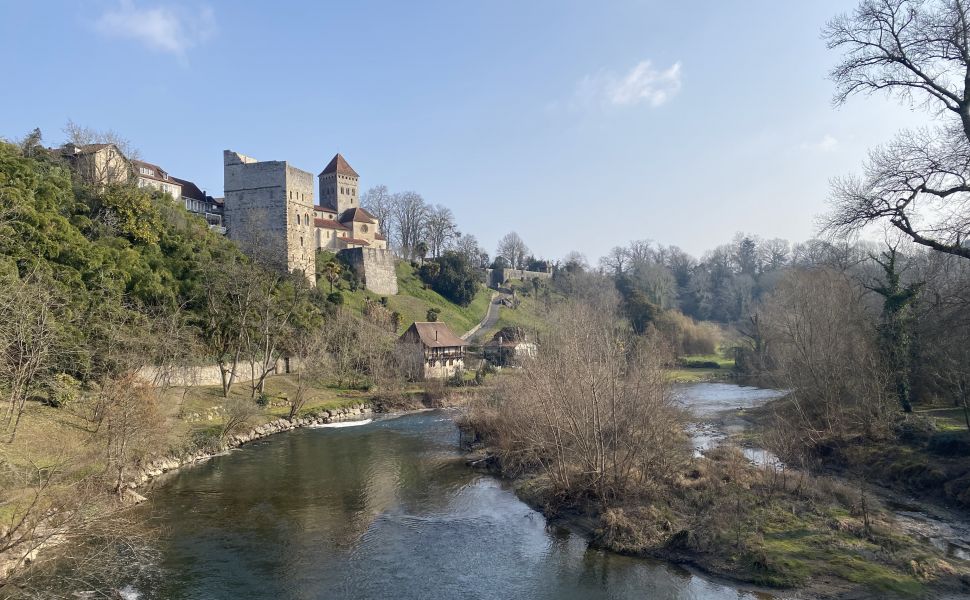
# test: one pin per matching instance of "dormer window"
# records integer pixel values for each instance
(146, 171)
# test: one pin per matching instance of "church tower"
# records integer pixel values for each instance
(339, 186)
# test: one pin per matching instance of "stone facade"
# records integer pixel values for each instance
(269, 211)
(341, 222)
(375, 268)
(269, 208)
(497, 277)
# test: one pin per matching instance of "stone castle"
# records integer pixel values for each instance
(271, 213)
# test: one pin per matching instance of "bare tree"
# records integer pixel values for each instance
(822, 346)
(513, 249)
(134, 428)
(616, 260)
(228, 311)
(82, 136)
(467, 246)
(29, 344)
(380, 202)
(774, 253)
(593, 411)
(440, 229)
(410, 218)
(917, 51)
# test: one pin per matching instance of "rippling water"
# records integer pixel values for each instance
(384, 510)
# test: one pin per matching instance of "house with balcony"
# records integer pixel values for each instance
(442, 351)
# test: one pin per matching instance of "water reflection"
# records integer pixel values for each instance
(386, 510)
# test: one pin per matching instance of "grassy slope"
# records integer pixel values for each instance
(694, 375)
(529, 315)
(413, 302)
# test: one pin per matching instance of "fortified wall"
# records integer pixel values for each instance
(496, 277)
(375, 268)
(269, 211)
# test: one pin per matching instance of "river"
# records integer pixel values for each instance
(386, 509)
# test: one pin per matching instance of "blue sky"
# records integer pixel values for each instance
(580, 125)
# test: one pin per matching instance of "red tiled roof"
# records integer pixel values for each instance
(328, 224)
(358, 215)
(341, 166)
(380, 237)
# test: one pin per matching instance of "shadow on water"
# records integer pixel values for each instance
(384, 510)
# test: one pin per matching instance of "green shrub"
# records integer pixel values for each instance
(262, 400)
(955, 443)
(62, 390)
(335, 298)
(700, 364)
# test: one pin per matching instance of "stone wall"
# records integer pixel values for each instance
(375, 268)
(269, 211)
(443, 369)
(496, 277)
(207, 374)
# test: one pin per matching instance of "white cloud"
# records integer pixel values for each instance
(828, 143)
(161, 28)
(643, 84)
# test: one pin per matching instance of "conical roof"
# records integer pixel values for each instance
(339, 165)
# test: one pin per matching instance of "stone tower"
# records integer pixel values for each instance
(269, 212)
(338, 186)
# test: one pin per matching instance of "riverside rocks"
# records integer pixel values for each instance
(162, 465)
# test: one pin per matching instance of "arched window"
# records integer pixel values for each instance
(297, 218)
(306, 219)
(363, 228)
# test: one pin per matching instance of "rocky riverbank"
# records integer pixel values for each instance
(46, 538)
(170, 463)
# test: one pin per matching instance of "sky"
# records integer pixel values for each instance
(579, 125)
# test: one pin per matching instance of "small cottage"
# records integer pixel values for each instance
(509, 347)
(443, 352)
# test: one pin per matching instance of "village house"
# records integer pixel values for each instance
(198, 202)
(443, 352)
(105, 164)
(97, 164)
(152, 176)
(509, 347)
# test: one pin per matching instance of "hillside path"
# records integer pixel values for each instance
(490, 318)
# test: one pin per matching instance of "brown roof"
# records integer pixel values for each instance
(190, 190)
(328, 224)
(357, 214)
(84, 149)
(357, 241)
(160, 173)
(380, 237)
(433, 335)
(339, 165)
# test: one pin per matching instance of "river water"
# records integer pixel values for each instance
(387, 509)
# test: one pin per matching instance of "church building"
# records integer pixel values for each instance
(340, 222)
